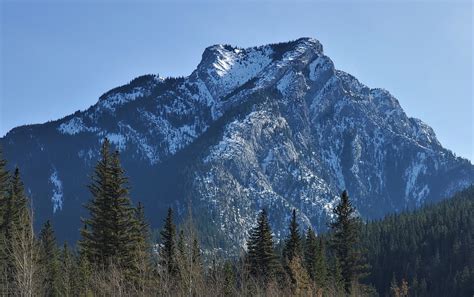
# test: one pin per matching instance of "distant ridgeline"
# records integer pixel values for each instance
(431, 248)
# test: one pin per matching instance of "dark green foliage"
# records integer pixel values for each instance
(293, 241)
(431, 248)
(15, 212)
(84, 275)
(4, 183)
(110, 233)
(321, 277)
(168, 245)
(315, 259)
(48, 261)
(68, 278)
(16, 204)
(310, 251)
(261, 254)
(345, 241)
(142, 240)
(18, 247)
(4, 176)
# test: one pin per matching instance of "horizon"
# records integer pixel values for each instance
(441, 101)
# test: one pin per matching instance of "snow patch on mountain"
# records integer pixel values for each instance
(57, 196)
(233, 67)
(75, 126)
(412, 173)
(117, 99)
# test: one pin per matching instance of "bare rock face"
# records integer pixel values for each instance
(275, 126)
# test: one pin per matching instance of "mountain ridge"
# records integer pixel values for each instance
(268, 126)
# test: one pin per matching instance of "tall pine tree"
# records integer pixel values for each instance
(109, 234)
(293, 242)
(262, 258)
(345, 241)
(4, 182)
(48, 261)
(310, 250)
(68, 278)
(168, 245)
(21, 246)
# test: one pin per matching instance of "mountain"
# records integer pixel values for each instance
(273, 126)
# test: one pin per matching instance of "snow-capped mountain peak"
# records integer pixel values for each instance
(275, 126)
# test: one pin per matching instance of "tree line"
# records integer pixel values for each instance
(426, 252)
(116, 256)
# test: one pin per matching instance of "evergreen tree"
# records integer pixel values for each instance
(84, 274)
(143, 230)
(321, 265)
(4, 202)
(123, 218)
(168, 245)
(310, 250)
(4, 182)
(110, 235)
(293, 242)
(345, 240)
(143, 248)
(15, 227)
(19, 253)
(96, 244)
(261, 254)
(337, 279)
(67, 272)
(48, 261)
(315, 259)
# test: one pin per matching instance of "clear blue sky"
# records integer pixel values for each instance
(59, 57)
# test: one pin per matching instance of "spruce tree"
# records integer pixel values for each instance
(142, 242)
(68, 278)
(15, 227)
(142, 232)
(4, 182)
(345, 241)
(123, 215)
(48, 261)
(321, 269)
(109, 234)
(84, 273)
(261, 253)
(293, 242)
(310, 247)
(4, 201)
(168, 245)
(95, 242)
(20, 250)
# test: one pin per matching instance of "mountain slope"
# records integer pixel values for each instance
(431, 248)
(273, 126)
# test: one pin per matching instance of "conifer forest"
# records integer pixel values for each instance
(423, 252)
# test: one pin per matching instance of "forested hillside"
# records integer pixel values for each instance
(432, 249)
(428, 252)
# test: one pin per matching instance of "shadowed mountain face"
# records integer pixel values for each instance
(275, 126)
